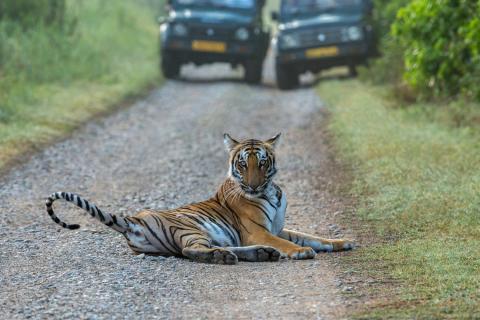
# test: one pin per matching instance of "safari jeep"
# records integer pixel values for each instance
(207, 31)
(318, 34)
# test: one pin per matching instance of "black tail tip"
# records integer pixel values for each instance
(73, 226)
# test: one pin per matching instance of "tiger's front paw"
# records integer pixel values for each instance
(302, 253)
(343, 245)
(267, 254)
(348, 244)
(220, 256)
(211, 255)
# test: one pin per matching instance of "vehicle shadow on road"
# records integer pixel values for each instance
(307, 80)
(311, 81)
(209, 81)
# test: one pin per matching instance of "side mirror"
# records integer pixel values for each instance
(274, 15)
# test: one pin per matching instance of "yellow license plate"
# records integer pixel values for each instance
(322, 52)
(209, 46)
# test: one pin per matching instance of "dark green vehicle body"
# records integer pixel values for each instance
(314, 35)
(205, 31)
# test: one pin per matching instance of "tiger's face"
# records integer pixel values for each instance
(252, 163)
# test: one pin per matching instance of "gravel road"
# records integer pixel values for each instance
(164, 151)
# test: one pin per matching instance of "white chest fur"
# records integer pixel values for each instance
(277, 205)
(279, 220)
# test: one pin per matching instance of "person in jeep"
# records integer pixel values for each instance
(318, 34)
(207, 31)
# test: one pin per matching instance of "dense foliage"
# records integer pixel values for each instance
(441, 41)
(30, 13)
(63, 61)
(433, 46)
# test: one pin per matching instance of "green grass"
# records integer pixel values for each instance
(52, 80)
(418, 185)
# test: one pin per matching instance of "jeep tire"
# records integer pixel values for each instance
(286, 77)
(253, 71)
(170, 66)
(352, 71)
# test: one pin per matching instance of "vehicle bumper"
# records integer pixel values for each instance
(234, 51)
(347, 54)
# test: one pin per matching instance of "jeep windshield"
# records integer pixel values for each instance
(294, 9)
(241, 5)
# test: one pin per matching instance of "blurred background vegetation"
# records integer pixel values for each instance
(409, 128)
(63, 61)
(430, 49)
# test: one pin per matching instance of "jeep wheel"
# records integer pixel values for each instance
(352, 71)
(170, 66)
(253, 71)
(286, 78)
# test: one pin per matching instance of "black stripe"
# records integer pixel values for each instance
(160, 224)
(261, 208)
(93, 211)
(262, 226)
(156, 237)
(237, 220)
(228, 225)
(100, 215)
(173, 233)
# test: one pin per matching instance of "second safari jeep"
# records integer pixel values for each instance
(318, 34)
(207, 31)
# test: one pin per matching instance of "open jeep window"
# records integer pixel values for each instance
(292, 9)
(216, 4)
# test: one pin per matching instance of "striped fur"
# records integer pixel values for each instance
(243, 220)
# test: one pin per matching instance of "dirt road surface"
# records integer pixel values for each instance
(160, 153)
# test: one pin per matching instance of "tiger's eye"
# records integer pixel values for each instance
(243, 164)
(262, 162)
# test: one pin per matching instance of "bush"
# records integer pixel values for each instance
(109, 44)
(442, 47)
(389, 67)
(30, 13)
(384, 14)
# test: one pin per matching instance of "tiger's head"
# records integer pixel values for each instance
(252, 163)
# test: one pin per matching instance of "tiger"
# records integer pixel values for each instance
(243, 221)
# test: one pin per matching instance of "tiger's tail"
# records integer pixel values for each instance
(110, 220)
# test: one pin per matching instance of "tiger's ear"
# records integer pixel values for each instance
(274, 141)
(229, 142)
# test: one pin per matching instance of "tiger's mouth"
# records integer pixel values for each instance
(253, 191)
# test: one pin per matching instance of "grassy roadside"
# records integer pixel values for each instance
(419, 188)
(53, 80)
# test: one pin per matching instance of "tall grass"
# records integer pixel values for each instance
(52, 79)
(419, 185)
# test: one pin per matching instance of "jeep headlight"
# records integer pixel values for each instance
(242, 34)
(179, 30)
(355, 33)
(288, 41)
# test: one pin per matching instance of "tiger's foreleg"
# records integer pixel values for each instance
(198, 248)
(287, 248)
(316, 243)
(256, 253)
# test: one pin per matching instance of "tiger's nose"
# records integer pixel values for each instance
(253, 189)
